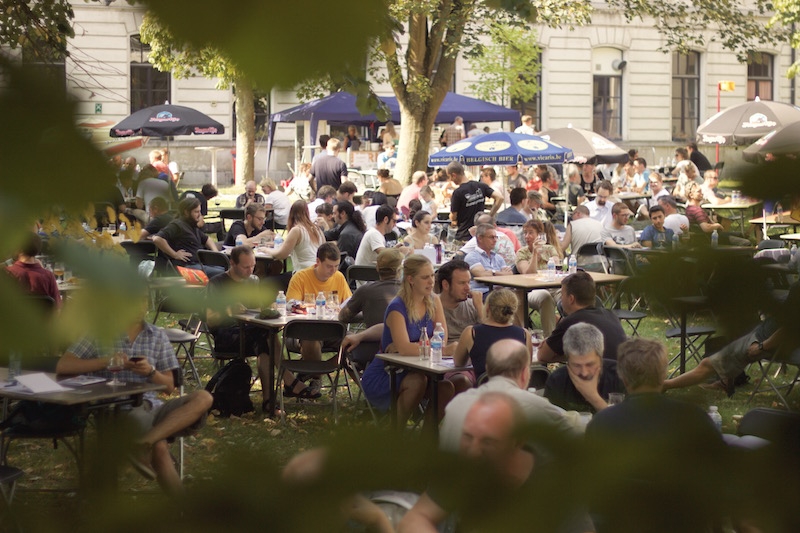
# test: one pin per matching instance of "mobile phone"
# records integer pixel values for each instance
(136, 358)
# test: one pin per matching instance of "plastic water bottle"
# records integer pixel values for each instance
(424, 345)
(321, 305)
(713, 414)
(676, 241)
(778, 213)
(551, 268)
(14, 366)
(437, 343)
(573, 264)
(239, 240)
(278, 241)
(714, 239)
(123, 227)
(280, 303)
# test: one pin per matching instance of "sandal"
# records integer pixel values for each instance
(305, 394)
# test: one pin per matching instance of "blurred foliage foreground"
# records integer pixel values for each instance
(46, 162)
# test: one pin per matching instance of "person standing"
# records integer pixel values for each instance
(328, 169)
(468, 200)
(454, 132)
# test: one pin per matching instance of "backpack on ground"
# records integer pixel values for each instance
(230, 387)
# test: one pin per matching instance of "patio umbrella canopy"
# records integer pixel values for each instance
(745, 123)
(501, 148)
(779, 142)
(587, 146)
(167, 120)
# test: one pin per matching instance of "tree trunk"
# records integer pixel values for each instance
(245, 132)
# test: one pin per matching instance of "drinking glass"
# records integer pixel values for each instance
(310, 301)
(615, 397)
(115, 366)
(537, 337)
(58, 271)
(542, 238)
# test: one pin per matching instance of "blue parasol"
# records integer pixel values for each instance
(501, 148)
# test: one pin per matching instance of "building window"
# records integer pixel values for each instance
(532, 107)
(685, 95)
(759, 76)
(46, 60)
(149, 86)
(607, 107)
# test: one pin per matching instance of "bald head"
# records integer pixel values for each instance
(490, 427)
(511, 359)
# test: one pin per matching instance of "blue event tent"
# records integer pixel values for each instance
(341, 108)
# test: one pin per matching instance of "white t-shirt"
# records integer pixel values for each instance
(280, 205)
(675, 221)
(601, 214)
(626, 235)
(312, 208)
(372, 241)
(369, 215)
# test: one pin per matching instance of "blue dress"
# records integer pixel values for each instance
(375, 380)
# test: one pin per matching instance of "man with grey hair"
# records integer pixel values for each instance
(508, 365)
(575, 193)
(484, 261)
(468, 200)
(640, 432)
(587, 379)
(507, 243)
(411, 192)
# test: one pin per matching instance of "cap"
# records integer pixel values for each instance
(389, 260)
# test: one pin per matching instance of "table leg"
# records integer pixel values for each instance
(393, 387)
(434, 380)
(522, 308)
(275, 355)
(683, 341)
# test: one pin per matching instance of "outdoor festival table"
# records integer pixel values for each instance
(791, 237)
(435, 372)
(93, 397)
(521, 284)
(273, 326)
(772, 220)
(741, 208)
(622, 196)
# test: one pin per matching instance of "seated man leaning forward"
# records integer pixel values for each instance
(773, 333)
(230, 293)
(587, 379)
(578, 300)
(148, 357)
(324, 277)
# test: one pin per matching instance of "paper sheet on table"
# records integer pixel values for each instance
(40, 382)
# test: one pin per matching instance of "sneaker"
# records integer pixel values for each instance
(315, 384)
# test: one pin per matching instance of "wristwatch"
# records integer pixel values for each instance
(152, 373)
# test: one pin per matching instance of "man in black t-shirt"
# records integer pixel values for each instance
(182, 238)
(327, 168)
(160, 217)
(468, 200)
(252, 227)
(578, 298)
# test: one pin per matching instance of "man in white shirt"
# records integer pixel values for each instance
(675, 221)
(527, 126)
(600, 207)
(374, 241)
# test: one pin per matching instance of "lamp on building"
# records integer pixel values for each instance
(619, 64)
(723, 86)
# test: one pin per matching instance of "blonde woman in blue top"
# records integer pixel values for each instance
(415, 308)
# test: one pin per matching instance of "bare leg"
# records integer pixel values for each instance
(311, 350)
(697, 375)
(187, 414)
(460, 383)
(446, 393)
(164, 466)
(412, 390)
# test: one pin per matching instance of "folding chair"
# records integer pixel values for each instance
(139, 251)
(629, 316)
(765, 366)
(592, 258)
(320, 330)
(184, 339)
(212, 258)
(361, 273)
(230, 214)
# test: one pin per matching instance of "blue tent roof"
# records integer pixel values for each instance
(341, 107)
